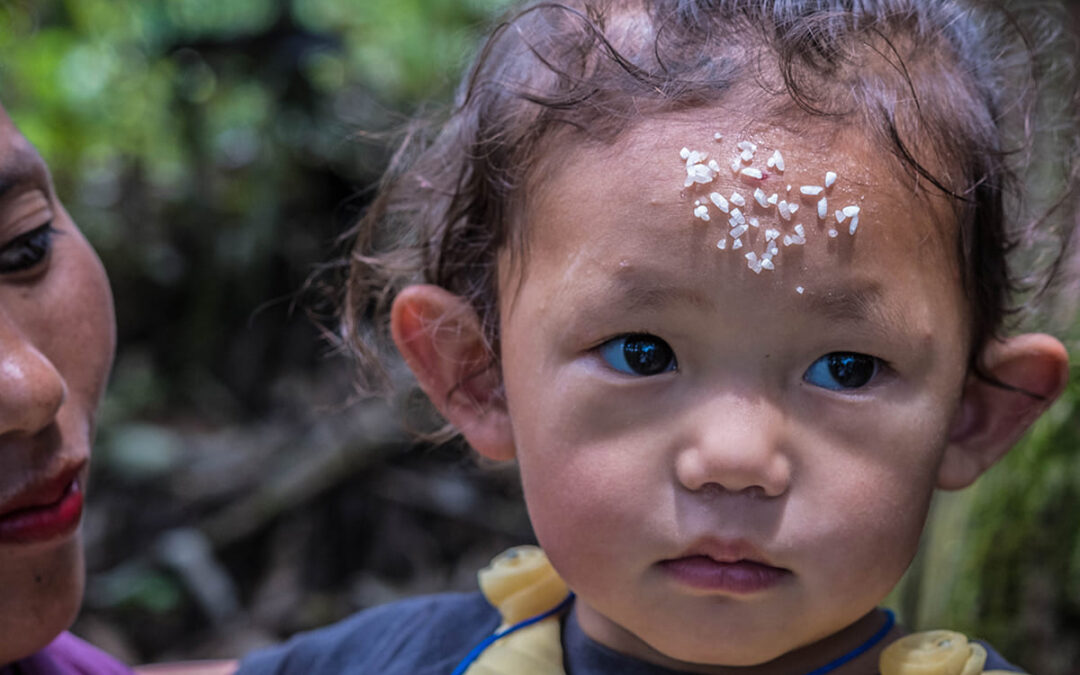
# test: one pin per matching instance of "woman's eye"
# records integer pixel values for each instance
(638, 354)
(840, 371)
(27, 250)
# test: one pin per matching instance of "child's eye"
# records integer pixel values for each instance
(27, 250)
(638, 354)
(839, 371)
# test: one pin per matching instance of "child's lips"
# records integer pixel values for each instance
(734, 567)
(740, 577)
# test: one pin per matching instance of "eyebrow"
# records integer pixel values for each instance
(851, 304)
(632, 293)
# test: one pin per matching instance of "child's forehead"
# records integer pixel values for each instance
(778, 201)
(798, 160)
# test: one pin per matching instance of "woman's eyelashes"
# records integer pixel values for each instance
(843, 371)
(638, 354)
(27, 250)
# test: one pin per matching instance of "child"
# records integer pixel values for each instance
(729, 280)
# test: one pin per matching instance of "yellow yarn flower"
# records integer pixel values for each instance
(935, 652)
(521, 583)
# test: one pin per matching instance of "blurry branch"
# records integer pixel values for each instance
(313, 464)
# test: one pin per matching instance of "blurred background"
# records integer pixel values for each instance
(212, 152)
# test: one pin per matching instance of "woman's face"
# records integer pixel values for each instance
(57, 337)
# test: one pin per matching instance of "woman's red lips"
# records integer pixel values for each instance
(44, 511)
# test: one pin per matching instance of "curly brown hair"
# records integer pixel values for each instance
(985, 90)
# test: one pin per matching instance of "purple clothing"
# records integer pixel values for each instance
(67, 655)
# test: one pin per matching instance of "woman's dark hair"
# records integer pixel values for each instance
(975, 100)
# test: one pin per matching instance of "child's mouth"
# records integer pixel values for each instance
(736, 577)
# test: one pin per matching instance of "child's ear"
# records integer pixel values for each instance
(440, 336)
(992, 418)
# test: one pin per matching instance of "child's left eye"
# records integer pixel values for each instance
(638, 354)
(841, 371)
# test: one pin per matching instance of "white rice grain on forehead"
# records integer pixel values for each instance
(759, 196)
(776, 161)
(700, 169)
(784, 209)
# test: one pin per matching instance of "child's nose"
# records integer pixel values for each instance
(31, 388)
(737, 447)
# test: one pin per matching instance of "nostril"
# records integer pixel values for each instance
(754, 491)
(712, 490)
(716, 490)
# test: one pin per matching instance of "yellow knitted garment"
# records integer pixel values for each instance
(521, 583)
(935, 652)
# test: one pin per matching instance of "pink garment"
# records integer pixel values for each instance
(67, 655)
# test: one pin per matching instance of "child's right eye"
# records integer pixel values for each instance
(638, 354)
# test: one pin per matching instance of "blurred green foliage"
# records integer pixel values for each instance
(209, 149)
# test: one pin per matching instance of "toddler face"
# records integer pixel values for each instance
(724, 468)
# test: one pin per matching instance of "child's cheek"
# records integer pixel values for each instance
(595, 478)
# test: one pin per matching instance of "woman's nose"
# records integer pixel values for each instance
(31, 388)
(737, 446)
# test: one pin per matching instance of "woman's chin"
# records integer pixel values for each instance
(41, 599)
